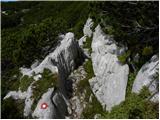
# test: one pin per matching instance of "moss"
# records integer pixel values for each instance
(48, 80)
(25, 82)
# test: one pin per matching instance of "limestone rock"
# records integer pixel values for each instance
(56, 105)
(63, 59)
(16, 95)
(49, 111)
(110, 81)
(87, 27)
(145, 77)
(26, 95)
(82, 40)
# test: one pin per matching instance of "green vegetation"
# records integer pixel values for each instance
(92, 106)
(48, 80)
(84, 84)
(131, 23)
(10, 81)
(15, 107)
(25, 82)
(134, 107)
(131, 78)
(25, 42)
(88, 43)
(148, 50)
(30, 30)
(123, 58)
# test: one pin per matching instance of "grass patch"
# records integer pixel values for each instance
(25, 82)
(88, 43)
(48, 80)
(89, 68)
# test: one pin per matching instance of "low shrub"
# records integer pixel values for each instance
(123, 58)
(148, 50)
(12, 109)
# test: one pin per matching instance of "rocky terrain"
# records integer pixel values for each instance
(86, 73)
(108, 83)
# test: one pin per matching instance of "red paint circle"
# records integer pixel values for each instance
(44, 106)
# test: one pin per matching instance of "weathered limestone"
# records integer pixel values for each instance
(110, 81)
(56, 106)
(64, 59)
(87, 27)
(146, 77)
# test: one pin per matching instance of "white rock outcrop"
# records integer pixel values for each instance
(16, 95)
(26, 96)
(87, 27)
(56, 106)
(110, 81)
(63, 58)
(145, 77)
(87, 31)
(47, 113)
